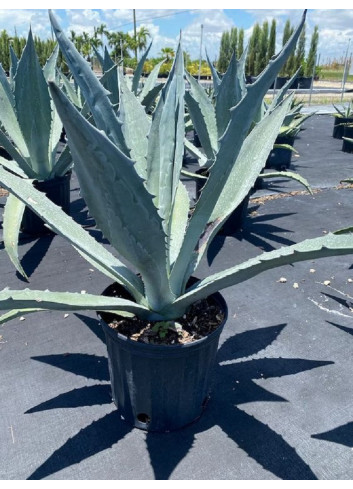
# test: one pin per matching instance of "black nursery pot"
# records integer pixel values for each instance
(347, 146)
(281, 81)
(58, 191)
(338, 128)
(280, 158)
(160, 388)
(304, 82)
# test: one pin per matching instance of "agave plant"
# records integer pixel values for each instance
(345, 112)
(30, 132)
(146, 91)
(130, 178)
(210, 115)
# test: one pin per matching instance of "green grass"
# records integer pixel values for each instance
(333, 75)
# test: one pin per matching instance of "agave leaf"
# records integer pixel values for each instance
(96, 96)
(49, 69)
(310, 249)
(215, 76)
(203, 117)
(120, 204)
(137, 73)
(288, 174)
(8, 117)
(64, 225)
(151, 81)
(230, 145)
(63, 164)
(151, 96)
(165, 148)
(15, 313)
(107, 61)
(250, 162)
(285, 146)
(13, 66)
(110, 82)
(229, 94)
(27, 300)
(17, 157)
(12, 166)
(136, 126)
(70, 91)
(179, 221)
(32, 102)
(13, 214)
(99, 57)
(196, 152)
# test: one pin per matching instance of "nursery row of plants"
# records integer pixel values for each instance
(126, 141)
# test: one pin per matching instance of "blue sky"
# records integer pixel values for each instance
(335, 26)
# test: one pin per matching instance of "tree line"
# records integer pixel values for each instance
(262, 46)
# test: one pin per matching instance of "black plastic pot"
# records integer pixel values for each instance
(347, 146)
(280, 158)
(58, 191)
(338, 128)
(236, 220)
(304, 82)
(160, 387)
(281, 81)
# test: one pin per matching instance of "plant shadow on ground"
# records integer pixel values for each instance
(234, 378)
(342, 435)
(257, 230)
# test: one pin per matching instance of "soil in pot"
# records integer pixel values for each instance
(338, 128)
(162, 382)
(58, 191)
(347, 146)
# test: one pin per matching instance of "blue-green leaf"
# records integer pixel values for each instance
(32, 103)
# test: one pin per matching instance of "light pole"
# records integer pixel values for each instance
(200, 53)
(134, 15)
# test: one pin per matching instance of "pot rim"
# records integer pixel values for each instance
(218, 297)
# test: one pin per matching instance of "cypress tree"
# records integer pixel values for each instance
(224, 53)
(233, 40)
(261, 55)
(240, 43)
(309, 68)
(288, 66)
(272, 41)
(300, 52)
(254, 45)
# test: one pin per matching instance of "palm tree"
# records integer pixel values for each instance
(102, 31)
(167, 53)
(121, 43)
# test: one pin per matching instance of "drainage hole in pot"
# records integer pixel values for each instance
(143, 418)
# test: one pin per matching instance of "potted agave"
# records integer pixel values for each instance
(30, 133)
(347, 144)
(162, 324)
(343, 116)
(210, 114)
(281, 155)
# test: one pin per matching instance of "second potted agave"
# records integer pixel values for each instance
(30, 134)
(129, 175)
